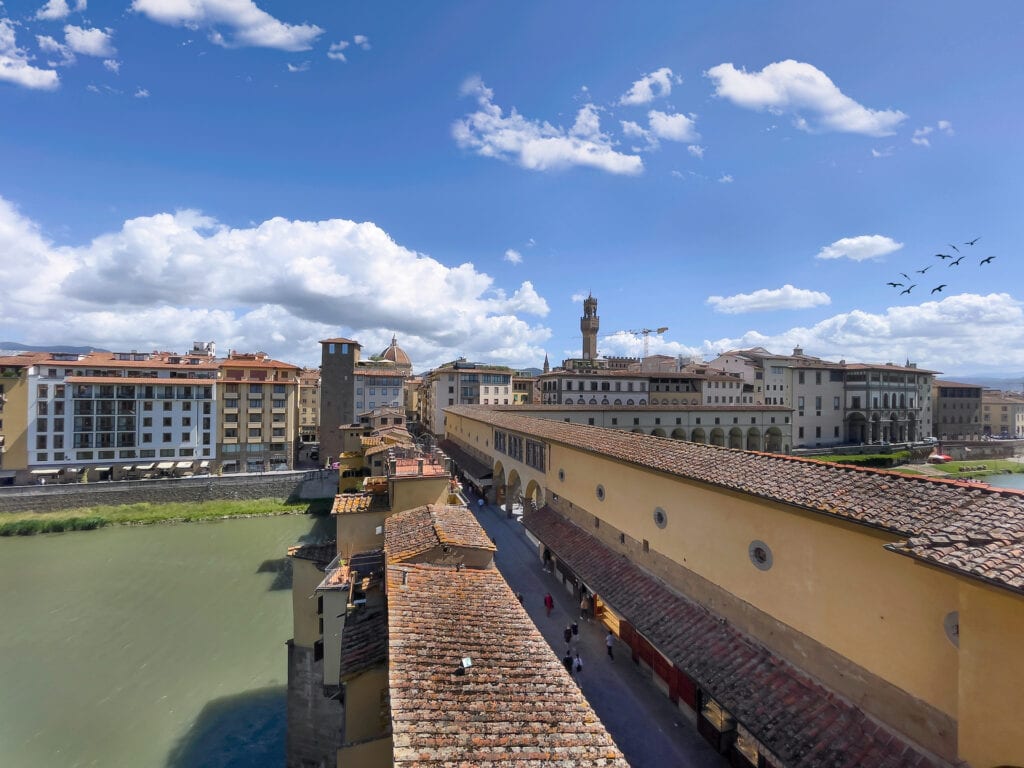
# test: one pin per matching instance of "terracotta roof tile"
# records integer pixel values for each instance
(799, 721)
(415, 531)
(364, 641)
(351, 503)
(321, 554)
(907, 506)
(516, 706)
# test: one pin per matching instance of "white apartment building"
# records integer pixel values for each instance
(462, 383)
(593, 387)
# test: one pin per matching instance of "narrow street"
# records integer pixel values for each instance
(650, 731)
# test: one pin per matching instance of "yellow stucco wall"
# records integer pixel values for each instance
(368, 754)
(411, 492)
(363, 697)
(15, 422)
(305, 621)
(357, 531)
(991, 676)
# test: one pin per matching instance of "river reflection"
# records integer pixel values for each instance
(152, 646)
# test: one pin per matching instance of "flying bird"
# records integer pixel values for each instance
(972, 242)
(943, 256)
(895, 285)
(987, 260)
(939, 288)
(905, 275)
(908, 289)
(956, 263)
(954, 247)
(922, 271)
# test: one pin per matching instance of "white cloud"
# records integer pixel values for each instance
(696, 150)
(576, 298)
(536, 145)
(248, 24)
(859, 248)
(89, 42)
(362, 41)
(14, 66)
(58, 9)
(49, 45)
(649, 87)
(885, 152)
(192, 277)
(301, 67)
(768, 299)
(800, 89)
(725, 178)
(141, 93)
(961, 333)
(113, 65)
(513, 256)
(920, 136)
(335, 51)
(672, 127)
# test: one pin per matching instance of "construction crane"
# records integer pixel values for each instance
(646, 333)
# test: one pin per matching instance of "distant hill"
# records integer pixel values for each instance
(13, 346)
(1010, 383)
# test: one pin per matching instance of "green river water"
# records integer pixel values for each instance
(161, 645)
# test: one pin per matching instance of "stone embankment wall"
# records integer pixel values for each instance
(51, 498)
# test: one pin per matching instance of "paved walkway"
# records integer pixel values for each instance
(648, 728)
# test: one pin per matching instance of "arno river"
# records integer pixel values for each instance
(147, 646)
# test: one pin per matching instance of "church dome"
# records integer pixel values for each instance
(396, 354)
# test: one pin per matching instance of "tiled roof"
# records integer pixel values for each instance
(375, 449)
(340, 340)
(996, 557)
(465, 460)
(349, 503)
(515, 707)
(320, 554)
(367, 442)
(421, 529)
(700, 408)
(904, 505)
(410, 467)
(962, 385)
(364, 641)
(800, 722)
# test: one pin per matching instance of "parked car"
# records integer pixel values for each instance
(939, 458)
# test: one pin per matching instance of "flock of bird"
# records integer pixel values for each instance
(952, 262)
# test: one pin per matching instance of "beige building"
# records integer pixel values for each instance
(957, 410)
(462, 383)
(1002, 413)
(309, 405)
(799, 613)
(257, 412)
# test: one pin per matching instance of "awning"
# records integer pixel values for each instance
(8, 473)
(100, 469)
(45, 471)
(204, 464)
(144, 467)
(485, 483)
(127, 468)
(71, 469)
(183, 464)
(165, 465)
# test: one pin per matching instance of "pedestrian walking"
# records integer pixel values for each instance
(577, 663)
(609, 641)
(575, 629)
(567, 661)
(567, 634)
(549, 603)
(584, 606)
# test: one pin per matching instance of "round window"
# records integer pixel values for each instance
(660, 518)
(760, 555)
(600, 493)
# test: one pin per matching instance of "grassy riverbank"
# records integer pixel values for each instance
(89, 518)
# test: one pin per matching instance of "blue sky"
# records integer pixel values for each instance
(269, 174)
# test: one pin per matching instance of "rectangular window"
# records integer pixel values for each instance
(800, 431)
(167, 406)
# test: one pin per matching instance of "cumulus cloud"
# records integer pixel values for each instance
(300, 67)
(696, 150)
(193, 277)
(920, 136)
(537, 145)
(58, 9)
(768, 299)
(961, 333)
(650, 87)
(15, 67)
(113, 65)
(804, 91)
(141, 93)
(513, 256)
(885, 152)
(248, 24)
(335, 51)
(672, 127)
(362, 41)
(860, 248)
(89, 42)
(62, 55)
(725, 178)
